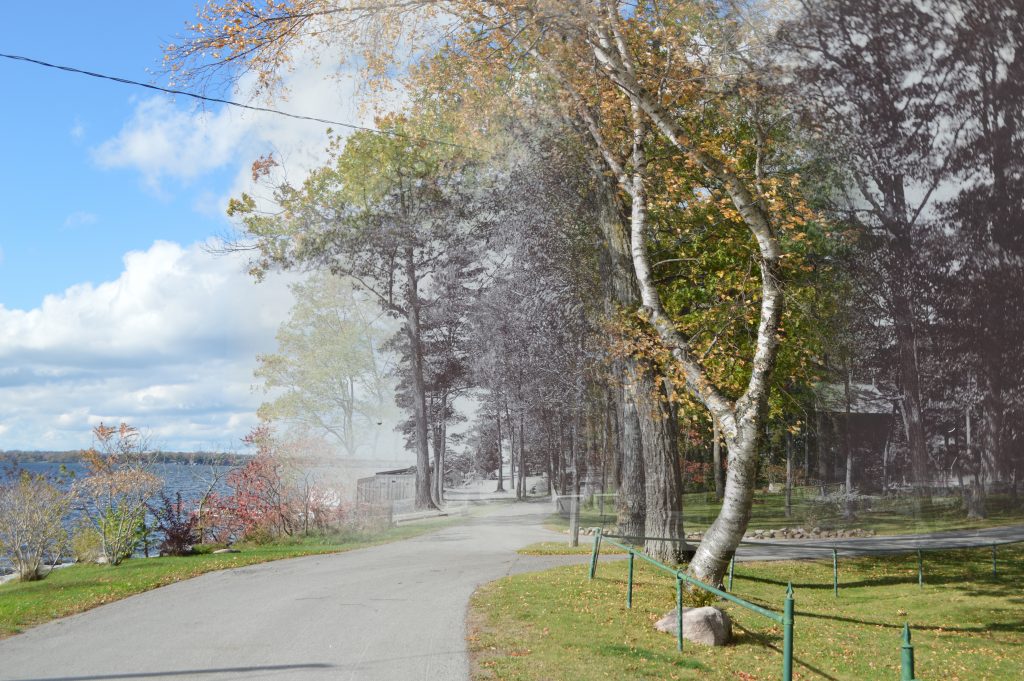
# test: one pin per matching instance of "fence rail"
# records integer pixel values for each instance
(854, 552)
(785, 618)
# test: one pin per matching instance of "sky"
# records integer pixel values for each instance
(112, 306)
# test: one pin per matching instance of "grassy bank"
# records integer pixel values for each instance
(81, 587)
(559, 625)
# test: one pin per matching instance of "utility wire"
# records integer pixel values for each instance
(228, 102)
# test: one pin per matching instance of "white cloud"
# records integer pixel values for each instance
(168, 346)
(80, 219)
(77, 130)
(164, 140)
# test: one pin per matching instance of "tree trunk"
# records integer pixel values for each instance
(716, 459)
(807, 451)
(632, 503)
(412, 328)
(663, 497)
(512, 478)
(824, 451)
(440, 437)
(910, 381)
(444, 454)
(622, 293)
(574, 497)
(721, 539)
(550, 460)
(789, 474)
(976, 494)
(522, 456)
(847, 449)
(501, 460)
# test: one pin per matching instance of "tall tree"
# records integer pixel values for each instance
(388, 215)
(330, 371)
(876, 76)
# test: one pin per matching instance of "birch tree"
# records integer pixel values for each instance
(654, 61)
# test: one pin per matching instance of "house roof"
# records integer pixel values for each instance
(411, 470)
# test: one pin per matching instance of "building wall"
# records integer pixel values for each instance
(384, 488)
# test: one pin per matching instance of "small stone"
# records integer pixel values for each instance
(708, 626)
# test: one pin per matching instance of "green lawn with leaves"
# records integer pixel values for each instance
(967, 625)
(81, 587)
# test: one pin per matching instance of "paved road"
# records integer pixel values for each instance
(393, 612)
(789, 549)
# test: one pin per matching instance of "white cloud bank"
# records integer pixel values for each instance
(168, 346)
(165, 140)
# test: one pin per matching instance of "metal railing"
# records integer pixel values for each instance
(785, 618)
(857, 552)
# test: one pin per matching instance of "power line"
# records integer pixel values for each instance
(227, 102)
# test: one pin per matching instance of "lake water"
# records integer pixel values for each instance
(191, 480)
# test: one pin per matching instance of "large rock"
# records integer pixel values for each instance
(709, 626)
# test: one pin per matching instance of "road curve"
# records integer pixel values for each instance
(391, 612)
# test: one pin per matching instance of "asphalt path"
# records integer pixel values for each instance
(391, 612)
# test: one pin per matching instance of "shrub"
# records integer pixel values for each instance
(177, 527)
(115, 494)
(695, 597)
(32, 511)
(86, 545)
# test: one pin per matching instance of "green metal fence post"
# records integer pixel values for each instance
(995, 572)
(595, 553)
(679, 612)
(907, 657)
(835, 573)
(629, 589)
(920, 570)
(787, 636)
(732, 566)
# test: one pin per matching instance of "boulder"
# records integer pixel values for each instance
(708, 626)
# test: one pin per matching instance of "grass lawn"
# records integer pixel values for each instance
(81, 587)
(557, 548)
(967, 626)
(888, 516)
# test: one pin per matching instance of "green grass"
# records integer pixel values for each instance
(559, 625)
(557, 548)
(900, 515)
(81, 587)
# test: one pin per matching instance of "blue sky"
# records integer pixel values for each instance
(110, 307)
(66, 218)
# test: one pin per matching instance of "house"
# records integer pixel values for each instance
(387, 486)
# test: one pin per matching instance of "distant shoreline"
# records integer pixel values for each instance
(15, 457)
